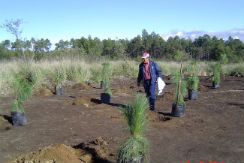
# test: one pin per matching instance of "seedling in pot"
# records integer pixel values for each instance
(192, 81)
(22, 91)
(216, 75)
(178, 107)
(105, 75)
(105, 97)
(135, 149)
(59, 77)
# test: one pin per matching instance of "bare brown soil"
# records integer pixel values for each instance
(77, 125)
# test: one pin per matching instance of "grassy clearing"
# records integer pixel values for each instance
(42, 73)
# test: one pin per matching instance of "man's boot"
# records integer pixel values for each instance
(152, 104)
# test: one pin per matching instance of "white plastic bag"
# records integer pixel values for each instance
(161, 85)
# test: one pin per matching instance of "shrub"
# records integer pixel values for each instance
(236, 71)
(59, 76)
(136, 145)
(192, 80)
(216, 73)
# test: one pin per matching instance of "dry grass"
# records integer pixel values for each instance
(78, 70)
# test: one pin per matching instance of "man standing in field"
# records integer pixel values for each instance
(148, 73)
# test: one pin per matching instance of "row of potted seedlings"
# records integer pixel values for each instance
(191, 82)
(22, 88)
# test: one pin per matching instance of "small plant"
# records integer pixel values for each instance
(136, 147)
(22, 91)
(192, 81)
(180, 90)
(216, 74)
(59, 76)
(178, 107)
(108, 91)
(105, 97)
(106, 74)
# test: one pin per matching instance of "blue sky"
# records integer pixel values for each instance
(59, 19)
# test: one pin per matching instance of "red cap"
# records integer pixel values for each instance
(145, 55)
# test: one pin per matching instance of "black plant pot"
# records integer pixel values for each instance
(178, 110)
(58, 91)
(102, 85)
(137, 160)
(215, 85)
(105, 98)
(192, 94)
(18, 118)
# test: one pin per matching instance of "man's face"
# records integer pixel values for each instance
(145, 60)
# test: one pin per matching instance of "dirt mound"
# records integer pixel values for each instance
(87, 101)
(156, 117)
(43, 92)
(81, 86)
(126, 90)
(100, 150)
(58, 153)
(4, 124)
(99, 141)
(95, 151)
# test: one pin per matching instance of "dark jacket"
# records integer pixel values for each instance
(155, 72)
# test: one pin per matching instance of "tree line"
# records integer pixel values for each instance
(174, 48)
